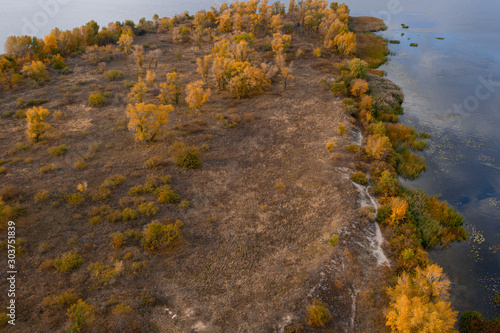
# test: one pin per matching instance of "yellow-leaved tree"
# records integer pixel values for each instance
(345, 42)
(280, 43)
(51, 45)
(359, 87)
(150, 77)
(196, 95)
(8, 75)
(204, 67)
(126, 41)
(172, 89)
(37, 125)
(146, 119)
(246, 80)
(398, 210)
(378, 146)
(285, 71)
(419, 303)
(36, 70)
(138, 91)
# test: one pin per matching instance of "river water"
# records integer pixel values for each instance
(452, 89)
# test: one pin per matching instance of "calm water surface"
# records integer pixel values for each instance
(445, 96)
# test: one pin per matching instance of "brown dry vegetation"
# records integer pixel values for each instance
(261, 209)
(366, 24)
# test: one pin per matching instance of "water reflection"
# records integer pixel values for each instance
(463, 158)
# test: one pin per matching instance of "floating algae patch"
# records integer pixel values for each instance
(494, 203)
(476, 238)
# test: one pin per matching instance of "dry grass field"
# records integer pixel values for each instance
(257, 215)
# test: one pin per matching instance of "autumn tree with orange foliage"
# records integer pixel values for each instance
(359, 87)
(398, 210)
(419, 303)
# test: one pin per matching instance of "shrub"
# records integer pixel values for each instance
(20, 114)
(186, 156)
(68, 262)
(113, 180)
(74, 199)
(113, 75)
(341, 129)
(166, 195)
(334, 241)
(129, 214)
(378, 146)
(138, 92)
(358, 68)
(37, 125)
(136, 191)
(153, 163)
(318, 52)
(48, 168)
(184, 204)
(96, 99)
(467, 318)
(4, 319)
(149, 209)
(58, 151)
(60, 301)
(158, 236)
(104, 274)
(387, 185)
(359, 87)
(317, 314)
(66, 71)
(196, 95)
(36, 70)
(81, 164)
(330, 145)
(80, 316)
(58, 62)
(35, 102)
(42, 195)
(114, 216)
(95, 220)
(338, 88)
(147, 119)
(359, 177)
(118, 239)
